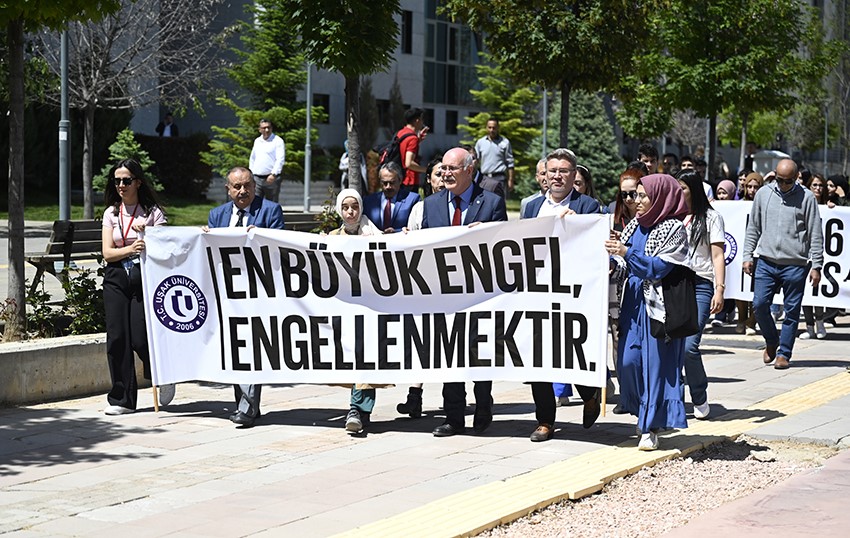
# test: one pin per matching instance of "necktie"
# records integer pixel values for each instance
(388, 215)
(239, 222)
(457, 215)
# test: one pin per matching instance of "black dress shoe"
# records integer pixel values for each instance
(242, 419)
(447, 430)
(591, 412)
(618, 410)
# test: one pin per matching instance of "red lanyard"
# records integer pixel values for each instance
(126, 232)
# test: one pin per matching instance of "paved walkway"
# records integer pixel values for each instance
(68, 470)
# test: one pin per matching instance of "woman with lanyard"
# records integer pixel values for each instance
(132, 206)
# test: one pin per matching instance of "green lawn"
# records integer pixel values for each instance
(180, 212)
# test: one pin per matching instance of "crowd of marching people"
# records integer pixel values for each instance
(666, 252)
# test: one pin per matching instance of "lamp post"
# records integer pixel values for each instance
(64, 136)
(308, 155)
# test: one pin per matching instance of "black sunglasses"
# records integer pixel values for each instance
(126, 181)
(629, 194)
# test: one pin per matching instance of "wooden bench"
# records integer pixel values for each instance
(299, 221)
(70, 240)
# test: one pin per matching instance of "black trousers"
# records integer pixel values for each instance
(125, 333)
(544, 400)
(454, 400)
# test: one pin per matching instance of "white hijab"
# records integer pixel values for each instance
(365, 226)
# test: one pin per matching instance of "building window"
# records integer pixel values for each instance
(451, 122)
(406, 32)
(451, 53)
(323, 100)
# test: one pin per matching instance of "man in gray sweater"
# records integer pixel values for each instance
(785, 231)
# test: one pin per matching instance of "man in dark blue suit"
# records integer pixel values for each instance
(245, 210)
(561, 199)
(390, 208)
(462, 203)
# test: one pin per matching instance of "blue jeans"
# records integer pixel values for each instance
(769, 279)
(694, 369)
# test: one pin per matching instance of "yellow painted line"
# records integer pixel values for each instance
(473, 511)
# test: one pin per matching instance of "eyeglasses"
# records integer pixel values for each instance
(785, 180)
(449, 168)
(626, 195)
(126, 181)
(561, 171)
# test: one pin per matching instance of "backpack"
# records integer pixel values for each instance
(391, 151)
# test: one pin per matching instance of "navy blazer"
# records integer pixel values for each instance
(262, 213)
(582, 204)
(484, 206)
(404, 202)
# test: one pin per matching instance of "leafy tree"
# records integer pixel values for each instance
(352, 37)
(16, 17)
(513, 105)
(718, 55)
(135, 57)
(568, 45)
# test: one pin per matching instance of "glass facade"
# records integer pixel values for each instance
(451, 53)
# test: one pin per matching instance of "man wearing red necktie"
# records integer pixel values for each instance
(463, 203)
(390, 208)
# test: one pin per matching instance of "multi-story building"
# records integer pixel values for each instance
(433, 64)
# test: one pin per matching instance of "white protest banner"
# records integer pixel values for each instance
(834, 288)
(520, 301)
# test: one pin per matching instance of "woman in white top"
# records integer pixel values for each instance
(132, 206)
(706, 236)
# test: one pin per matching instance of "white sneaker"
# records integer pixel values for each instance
(563, 401)
(716, 323)
(808, 334)
(702, 411)
(751, 331)
(821, 332)
(118, 410)
(166, 393)
(648, 441)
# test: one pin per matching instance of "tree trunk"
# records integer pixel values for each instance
(16, 321)
(743, 158)
(566, 87)
(352, 114)
(88, 143)
(710, 170)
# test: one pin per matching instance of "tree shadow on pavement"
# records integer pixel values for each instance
(720, 413)
(47, 437)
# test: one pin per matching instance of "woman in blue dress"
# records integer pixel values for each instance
(646, 251)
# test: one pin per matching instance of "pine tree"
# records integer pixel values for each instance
(591, 139)
(515, 108)
(126, 147)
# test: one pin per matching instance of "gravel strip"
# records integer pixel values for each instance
(673, 491)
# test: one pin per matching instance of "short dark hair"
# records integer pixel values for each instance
(687, 157)
(412, 114)
(264, 120)
(672, 156)
(492, 118)
(647, 150)
(640, 166)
